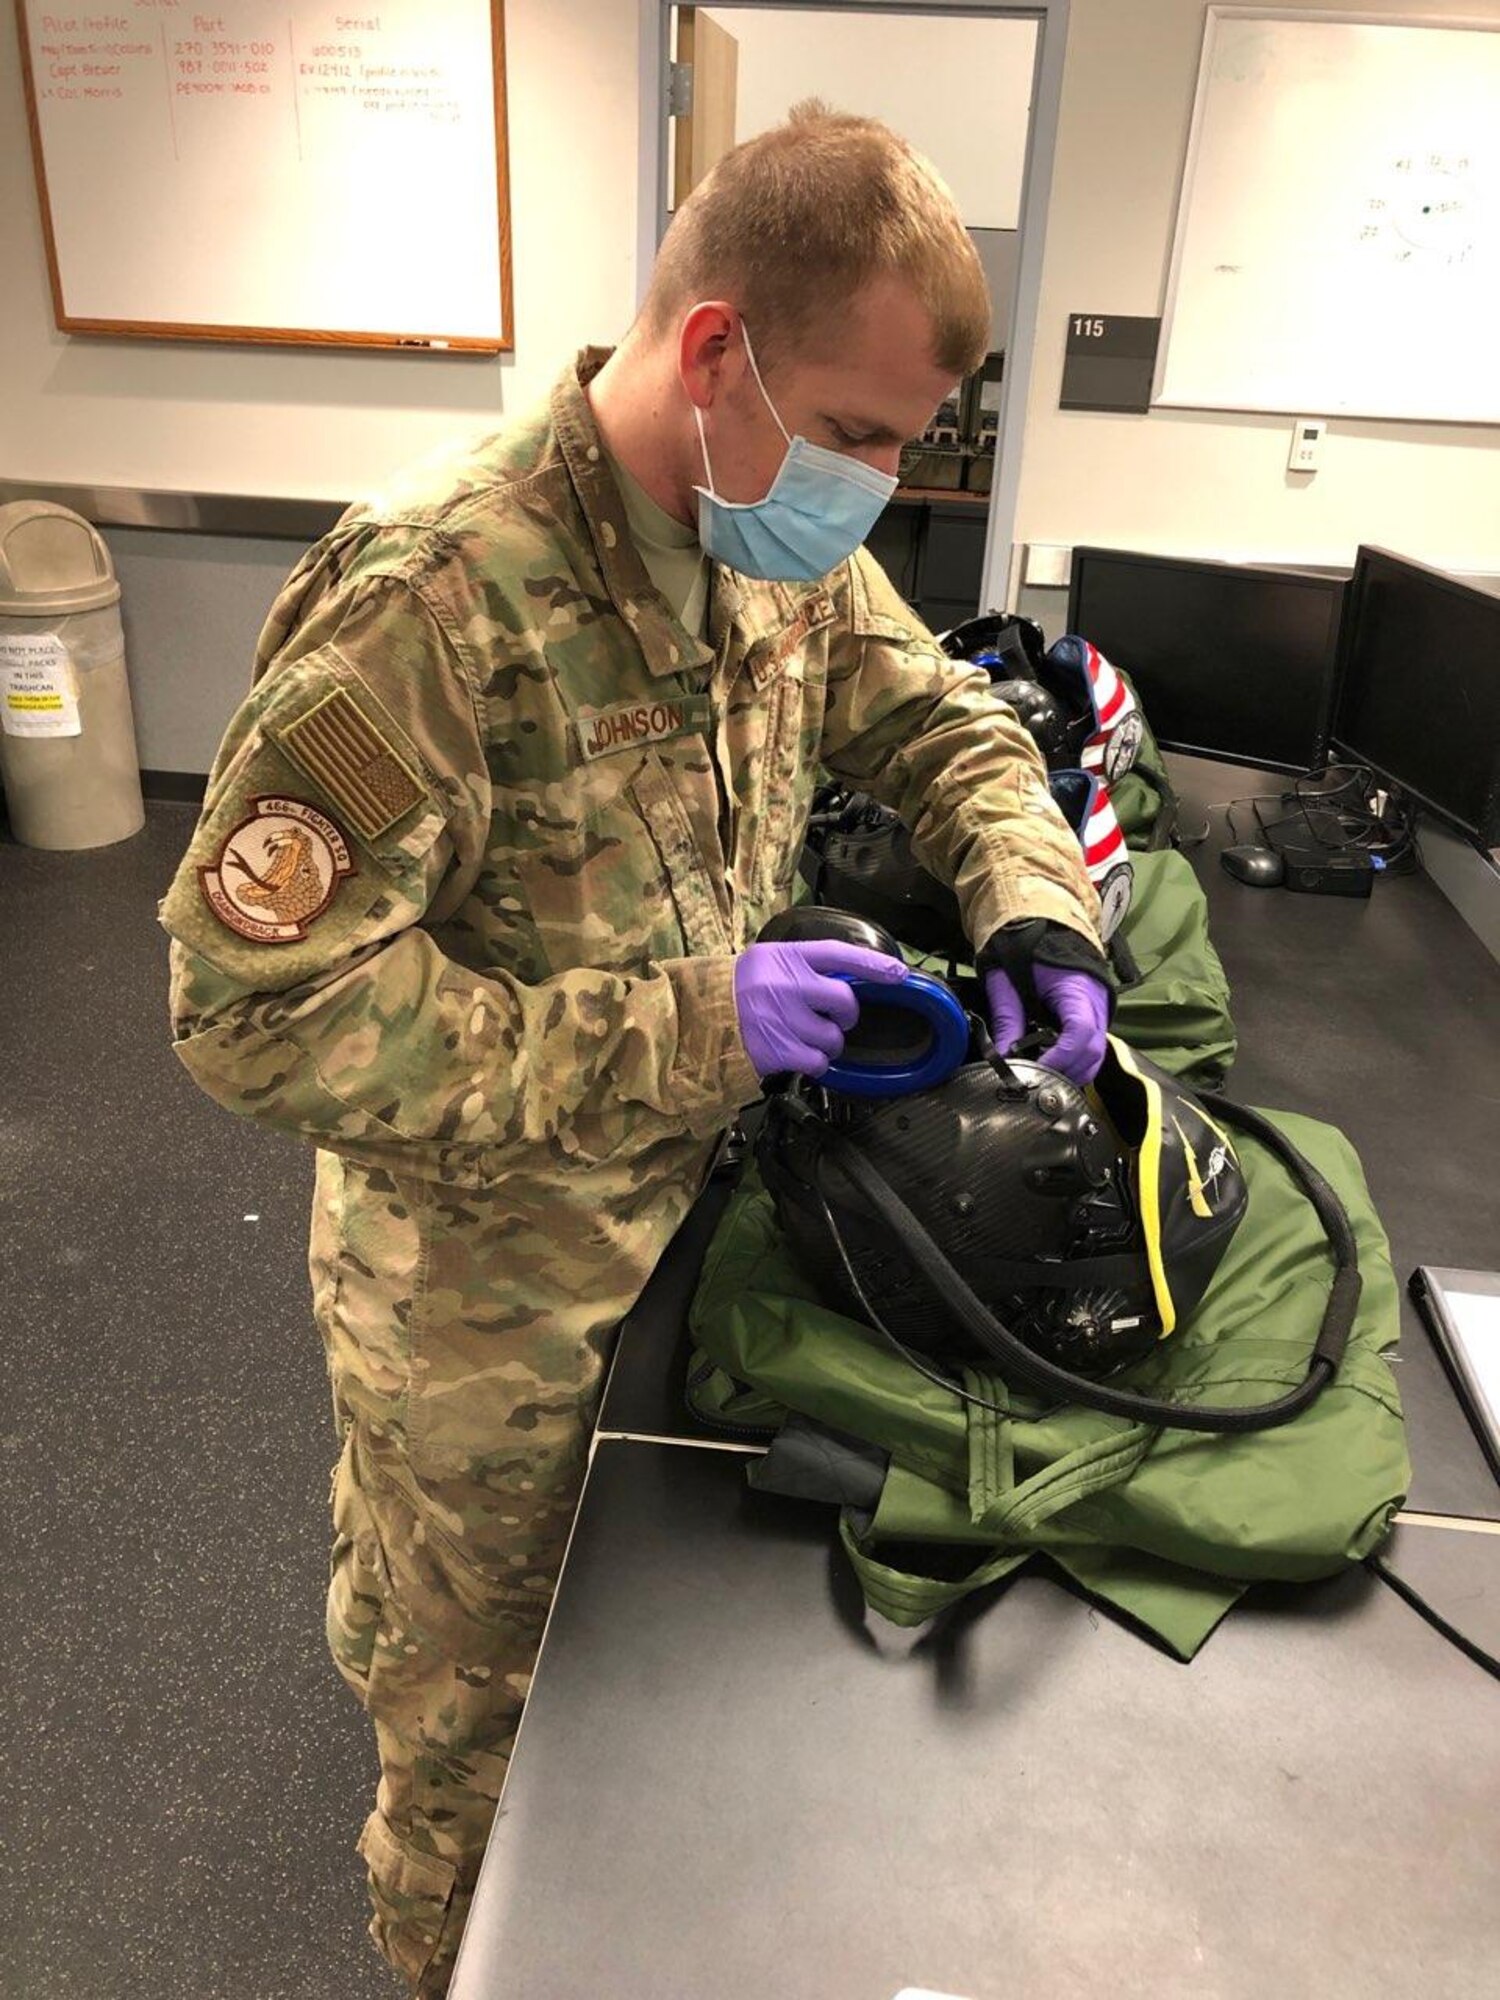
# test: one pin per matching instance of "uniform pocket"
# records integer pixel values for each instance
(700, 921)
(370, 1246)
(599, 894)
(411, 1892)
(783, 755)
(627, 886)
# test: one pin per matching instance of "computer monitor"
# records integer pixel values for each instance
(1231, 660)
(1419, 689)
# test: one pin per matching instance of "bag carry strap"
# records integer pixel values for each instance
(1164, 826)
(1123, 959)
(905, 1596)
(1030, 1370)
(1012, 1512)
(1078, 1475)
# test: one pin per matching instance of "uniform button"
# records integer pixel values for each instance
(593, 454)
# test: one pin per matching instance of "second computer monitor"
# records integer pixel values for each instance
(1419, 690)
(1231, 661)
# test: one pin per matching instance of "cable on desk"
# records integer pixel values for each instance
(1377, 820)
(1227, 806)
(1434, 1618)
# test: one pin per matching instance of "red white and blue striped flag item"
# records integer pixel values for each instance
(1112, 746)
(1086, 805)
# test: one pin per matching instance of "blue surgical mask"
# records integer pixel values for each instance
(820, 508)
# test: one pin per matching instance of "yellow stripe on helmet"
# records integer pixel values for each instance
(1149, 1186)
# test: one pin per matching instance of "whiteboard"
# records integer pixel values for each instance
(274, 169)
(1337, 250)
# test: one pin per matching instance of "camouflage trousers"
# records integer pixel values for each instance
(437, 1596)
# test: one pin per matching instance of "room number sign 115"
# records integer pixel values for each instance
(1109, 361)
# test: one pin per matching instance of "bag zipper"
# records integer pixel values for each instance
(695, 1381)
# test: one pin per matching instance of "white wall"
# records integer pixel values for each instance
(958, 89)
(1207, 482)
(228, 419)
(328, 425)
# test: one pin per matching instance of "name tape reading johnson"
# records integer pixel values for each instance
(634, 722)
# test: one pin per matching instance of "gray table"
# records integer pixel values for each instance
(726, 1785)
(1382, 1017)
(729, 1781)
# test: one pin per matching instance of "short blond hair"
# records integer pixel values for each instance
(792, 224)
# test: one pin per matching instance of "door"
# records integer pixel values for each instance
(705, 78)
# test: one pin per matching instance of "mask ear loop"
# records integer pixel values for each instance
(755, 371)
(708, 464)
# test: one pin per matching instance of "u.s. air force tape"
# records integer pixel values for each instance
(630, 723)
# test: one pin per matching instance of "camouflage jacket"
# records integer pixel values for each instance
(480, 845)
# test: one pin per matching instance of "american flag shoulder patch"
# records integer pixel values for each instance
(341, 750)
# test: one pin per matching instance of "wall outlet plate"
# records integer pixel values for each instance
(1307, 444)
(1049, 565)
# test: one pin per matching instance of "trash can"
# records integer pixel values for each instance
(67, 736)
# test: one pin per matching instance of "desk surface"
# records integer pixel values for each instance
(724, 1784)
(924, 495)
(1381, 1017)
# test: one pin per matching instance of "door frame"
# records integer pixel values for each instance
(1002, 554)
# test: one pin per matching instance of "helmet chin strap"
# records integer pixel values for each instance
(1030, 1370)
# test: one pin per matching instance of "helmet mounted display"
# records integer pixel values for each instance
(1094, 1220)
(1090, 1222)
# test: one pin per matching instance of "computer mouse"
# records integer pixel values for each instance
(1261, 867)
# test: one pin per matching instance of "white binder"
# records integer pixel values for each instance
(1462, 1310)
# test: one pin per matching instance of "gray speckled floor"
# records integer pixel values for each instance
(184, 1774)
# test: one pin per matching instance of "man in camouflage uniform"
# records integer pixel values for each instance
(481, 862)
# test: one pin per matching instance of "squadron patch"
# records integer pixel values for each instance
(277, 872)
(1123, 747)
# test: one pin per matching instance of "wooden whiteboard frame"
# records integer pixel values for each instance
(1214, 12)
(288, 336)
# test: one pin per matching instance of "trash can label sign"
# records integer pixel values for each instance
(38, 689)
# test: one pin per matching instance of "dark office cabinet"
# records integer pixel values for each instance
(895, 541)
(953, 555)
(933, 552)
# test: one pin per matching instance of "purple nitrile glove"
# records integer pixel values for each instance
(1080, 1006)
(1007, 1010)
(1078, 1003)
(794, 1008)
